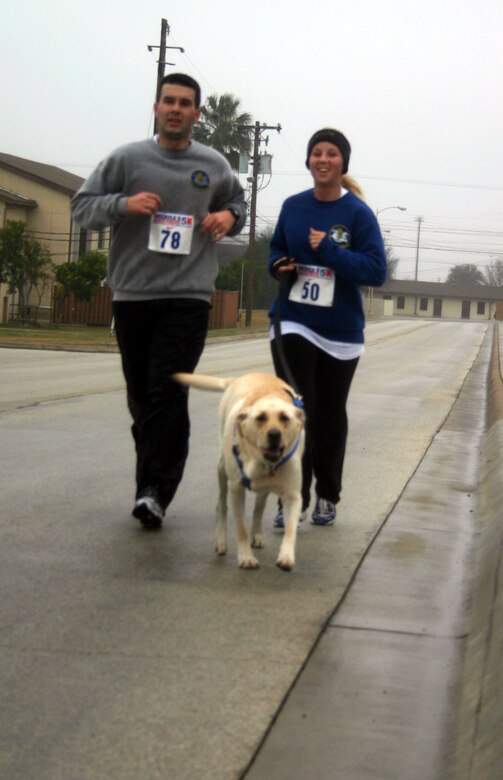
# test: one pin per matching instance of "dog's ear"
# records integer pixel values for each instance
(300, 415)
(239, 420)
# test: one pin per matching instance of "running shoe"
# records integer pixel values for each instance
(279, 520)
(148, 509)
(324, 512)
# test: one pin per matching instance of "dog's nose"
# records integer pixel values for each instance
(274, 437)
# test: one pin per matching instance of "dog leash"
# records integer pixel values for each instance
(284, 281)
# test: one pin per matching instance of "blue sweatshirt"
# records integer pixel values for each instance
(326, 294)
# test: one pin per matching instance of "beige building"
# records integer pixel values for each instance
(39, 195)
(400, 298)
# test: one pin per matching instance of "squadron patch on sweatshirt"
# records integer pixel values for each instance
(340, 235)
(200, 179)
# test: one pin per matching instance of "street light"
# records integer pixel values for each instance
(400, 208)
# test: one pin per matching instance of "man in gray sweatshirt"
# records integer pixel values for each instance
(169, 200)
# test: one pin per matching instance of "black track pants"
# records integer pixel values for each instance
(157, 338)
(324, 383)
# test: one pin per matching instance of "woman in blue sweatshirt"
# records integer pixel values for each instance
(328, 242)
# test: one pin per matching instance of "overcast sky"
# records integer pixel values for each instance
(415, 85)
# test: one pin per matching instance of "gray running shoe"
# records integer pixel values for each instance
(324, 512)
(148, 509)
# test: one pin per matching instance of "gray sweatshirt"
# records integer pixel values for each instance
(192, 181)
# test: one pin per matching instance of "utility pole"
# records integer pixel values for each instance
(419, 220)
(257, 129)
(162, 55)
(161, 62)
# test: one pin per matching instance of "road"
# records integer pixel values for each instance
(128, 654)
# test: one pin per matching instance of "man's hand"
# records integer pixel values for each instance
(315, 238)
(143, 203)
(218, 224)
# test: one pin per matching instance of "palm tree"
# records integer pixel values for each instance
(219, 125)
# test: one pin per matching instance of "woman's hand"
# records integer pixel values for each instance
(315, 238)
(283, 265)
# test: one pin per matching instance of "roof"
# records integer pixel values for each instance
(40, 172)
(14, 199)
(441, 290)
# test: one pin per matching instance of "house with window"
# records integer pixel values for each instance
(39, 195)
(402, 298)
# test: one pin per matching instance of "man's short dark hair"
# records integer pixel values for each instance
(184, 81)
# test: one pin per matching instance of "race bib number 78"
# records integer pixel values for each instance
(314, 285)
(171, 233)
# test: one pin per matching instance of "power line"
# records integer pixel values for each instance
(427, 182)
(446, 249)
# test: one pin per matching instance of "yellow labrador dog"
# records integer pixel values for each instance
(261, 445)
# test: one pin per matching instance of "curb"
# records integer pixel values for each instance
(113, 348)
(479, 747)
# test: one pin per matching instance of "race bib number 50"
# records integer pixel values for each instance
(314, 285)
(171, 233)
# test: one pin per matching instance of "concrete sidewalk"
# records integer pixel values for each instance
(405, 682)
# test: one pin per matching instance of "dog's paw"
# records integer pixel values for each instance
(248, 562)
(285, 562)
(220, 543)
(257, 542)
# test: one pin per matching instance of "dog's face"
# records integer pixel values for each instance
(270, 426)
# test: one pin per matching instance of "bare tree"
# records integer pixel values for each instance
(392, 260)
(494, 272)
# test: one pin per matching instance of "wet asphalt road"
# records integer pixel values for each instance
(128, 654)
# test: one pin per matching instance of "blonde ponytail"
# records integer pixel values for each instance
(352, 185)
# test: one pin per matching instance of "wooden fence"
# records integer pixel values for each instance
(68, 310)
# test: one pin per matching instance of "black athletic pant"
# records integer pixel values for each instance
(323, 382)
(157, 338)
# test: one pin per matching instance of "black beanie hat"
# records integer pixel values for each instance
(334, 137)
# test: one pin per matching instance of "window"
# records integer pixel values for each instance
(82, 242)
(481, 307)
(400, 301)
(423, 304)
